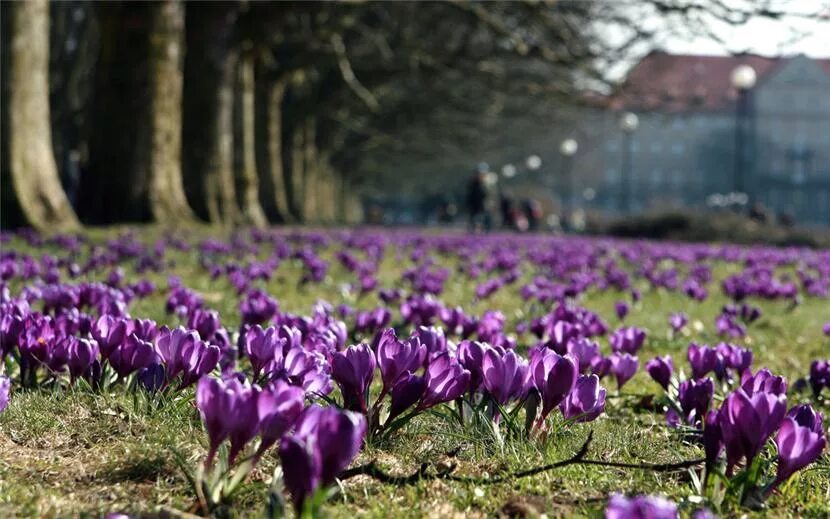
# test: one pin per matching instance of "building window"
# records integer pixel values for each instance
(678, 148)
(612, 145)
(678, 123)
(656, 147)
(612, 176)
(655, 177)
(677, 178)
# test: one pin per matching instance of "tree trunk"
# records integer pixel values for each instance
(268, 135)
(134, 171)
(245, 166)
(207, 150)
(32, 193)
(167, 198)
(309, 170)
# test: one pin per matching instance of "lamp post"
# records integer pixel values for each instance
(629, 122)
(568, 148)
(743, 79)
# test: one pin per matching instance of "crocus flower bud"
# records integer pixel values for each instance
(324, 443)
(703, 359)
(586, 402)
(81, 354)
(747, 421)
(819, 375)
(109, 332)
(262, 347)
(585, 351)
(408, 391)
(505, 376)
(554, 376)
(353, 370)
(677, 321)
(627, 340)
(133, 355)
(640, 507)
(621, 309)
(661, 369)
(695, 397)
(623, 367)
(278, 406)
(5, 392)
(764, 381)
(395, 357)
(445, 380)
(798, 446)
(229, 411)
(806, 416)
(712, 438)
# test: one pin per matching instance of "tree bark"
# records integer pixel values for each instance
(32, 193)
(245, 164)
(134, 172)
(207, 150)
(268, 135)
(167, 198)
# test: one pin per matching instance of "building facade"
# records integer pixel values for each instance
(684, 149)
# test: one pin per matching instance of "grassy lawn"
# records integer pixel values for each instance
(68, 451)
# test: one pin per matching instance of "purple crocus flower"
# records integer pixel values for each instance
(325, 442)
(395, 357)
(81, 353)
(703, 359)
(585, 351)
(798, 446)
(471, 356)
(677, 320)
(586, 401)
(806, 416)
(661, 370)
(407, 391)
(206, 322)
(621, 309)
(694, 397)
(640, 507)
(445, 380)
(601, 366)
(183, 353)
(627, 340)
(819, 375)
(764, 381)
(5, 392)
(505, 376)
(554, 376)
(132, 355)
(747, 421)
(353, 370)
(712, 437)
(109, 332)
(258, 307)
(262, 347)
(229, 411)
(278, 406)
(623, 367)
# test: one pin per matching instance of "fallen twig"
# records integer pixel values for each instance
(422, 474)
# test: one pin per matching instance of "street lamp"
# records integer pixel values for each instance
(568, 149)
(743, 79)
(629, 122)
(533, 162)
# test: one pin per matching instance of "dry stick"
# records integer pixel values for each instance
(372, 470)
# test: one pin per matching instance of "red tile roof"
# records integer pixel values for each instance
(676, 83)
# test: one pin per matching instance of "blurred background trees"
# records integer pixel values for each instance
(249, 113)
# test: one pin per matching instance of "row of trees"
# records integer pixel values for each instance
(249, 113)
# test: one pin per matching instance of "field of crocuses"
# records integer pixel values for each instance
(406, 374)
